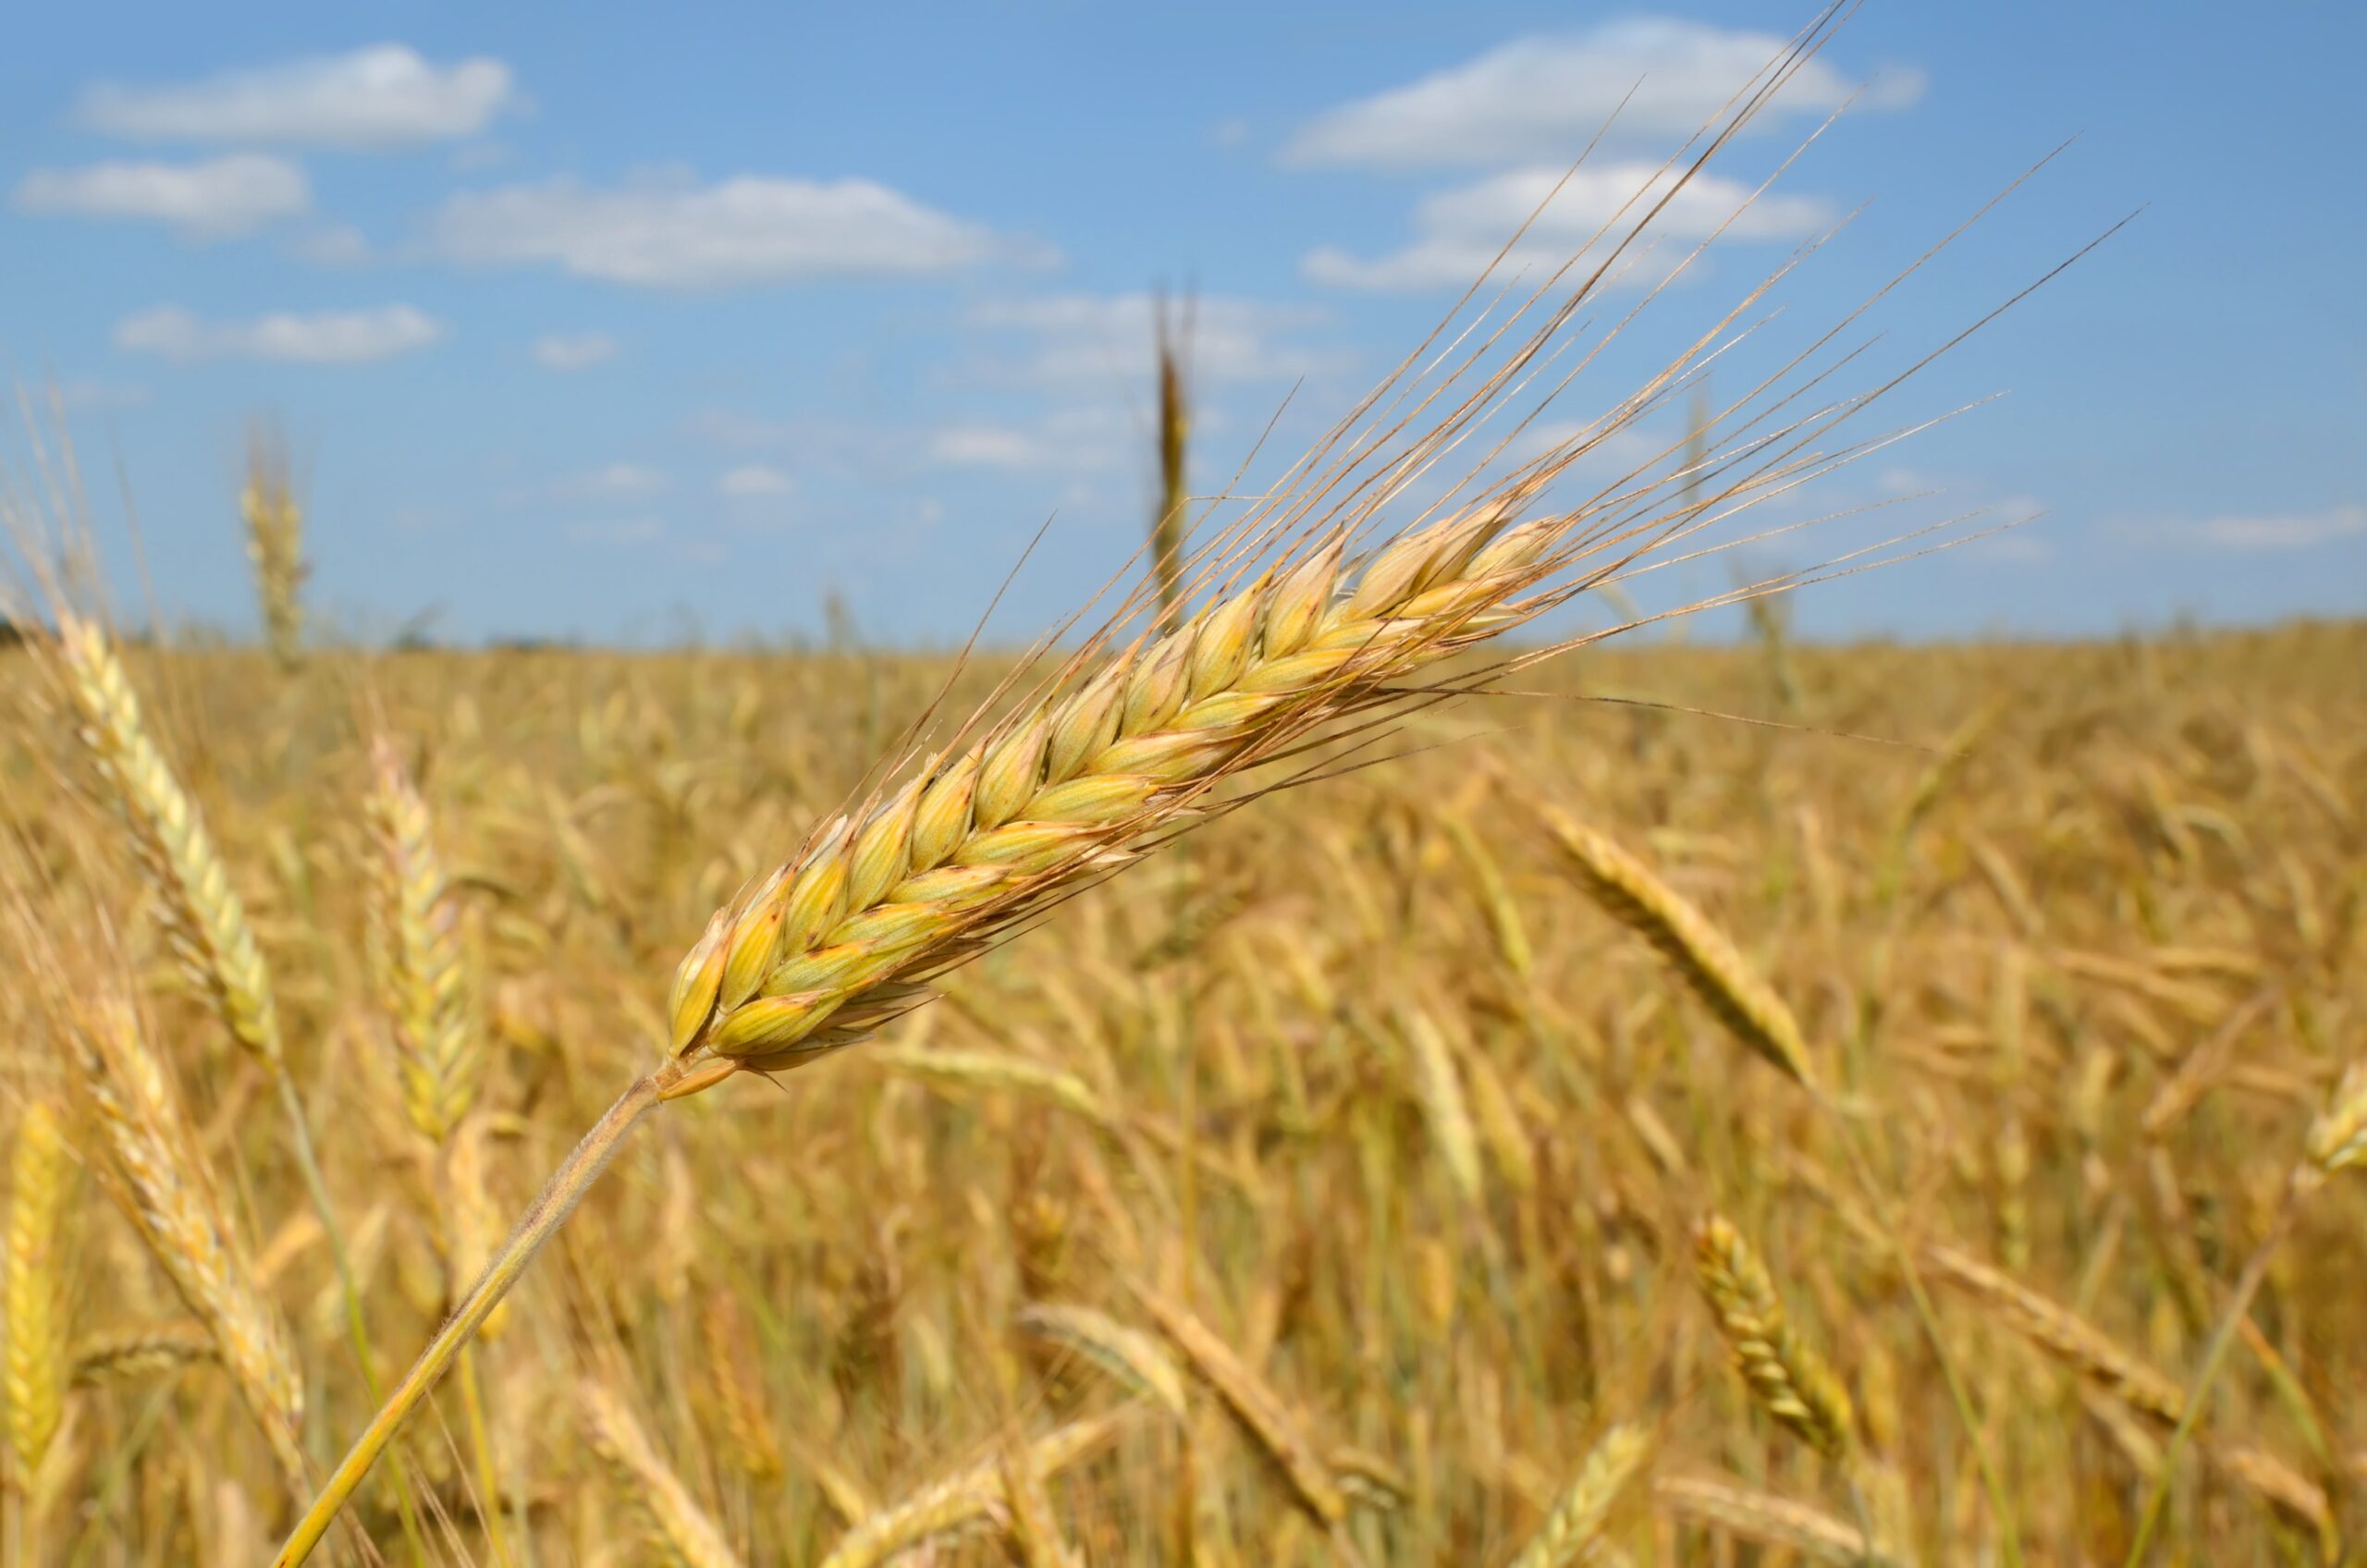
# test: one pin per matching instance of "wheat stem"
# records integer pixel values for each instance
(541, 1222)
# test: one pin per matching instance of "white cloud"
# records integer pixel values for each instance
(316, 338)
(1083, 338)
(1458, 232)
(752, 479)
(573, 351)
(206, 200)
(2281, 530)
(379, 97)
(1544, 97)
(985, 446)
(673, 233)
(615, 482)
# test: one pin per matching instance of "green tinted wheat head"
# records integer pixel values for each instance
(275, 545)
(678, 1531)
(1134, 1359)
(1786, 1374)
(417, 957)
(149, 1350)
(2338, 1138)
(204, 919)
(1769, 1520)
(1697, 950)
(163, 1188)
(1574, 1526)
(41, 1172)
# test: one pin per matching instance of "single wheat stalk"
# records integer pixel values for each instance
(1786, 1374)
(1166, 527)
(416, 955)
(1134, 1359)
(963, 1500)
(1697, 950)
(676, 1527)
(41, 1170)
(155, 1178)
(275, 545)
(149, 1350)
(1769, 1520)
(1576, 1522)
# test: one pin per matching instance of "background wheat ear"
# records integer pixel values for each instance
(276, 542)
(1580, 1515)
(37, 1300)
(1784, 1374)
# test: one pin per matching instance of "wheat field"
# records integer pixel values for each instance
(1354, 1181)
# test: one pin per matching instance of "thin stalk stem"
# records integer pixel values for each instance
(299, 1133)
(488, 1475)
(2199, 1396)
(535, 1227)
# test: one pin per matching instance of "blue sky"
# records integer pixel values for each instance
(653, 321)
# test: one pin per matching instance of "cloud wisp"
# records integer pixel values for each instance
(215, 199)
(374, 98)
(318, 337)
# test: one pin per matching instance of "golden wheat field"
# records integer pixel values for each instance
(1337, 1186)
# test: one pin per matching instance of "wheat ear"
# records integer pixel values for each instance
(1030, 1528)
(1698, 951)
(204, 919)
(161, 1187)
(1582, 1511)
(41, 1172)
(2062, 1334)
(416, 955)
(1134, 1360)
(276, 545)
(1769, 1520)
(1167, 528)
(1260, 1413)
(739, 1395)
(677, 1528)
(148, 1350)
(962, 1501)
(1786, 1374)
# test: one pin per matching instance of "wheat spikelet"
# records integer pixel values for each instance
(2338, 1137)
(204, 919)
(1744, 1003)
(416, 955)
(1580, 1514)
(1769, 1520)
(677, 1528)
(149, 1350)
(40, 1183)
(1270, 1422)
(1134, 1359)
(2062, 1334)
(739, 1395)
(963, 1500)
(1495, 899)
(276, 545)
(471, 1224)
(163, 1189)
(1786, 1376)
